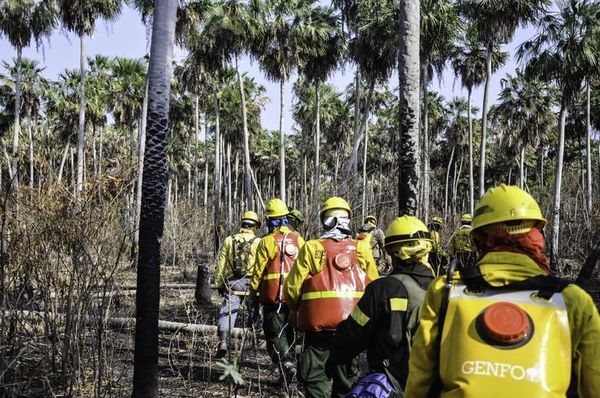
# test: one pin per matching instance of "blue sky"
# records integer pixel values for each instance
(126, 37)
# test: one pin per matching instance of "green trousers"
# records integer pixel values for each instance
(311, 368)
(278, 334)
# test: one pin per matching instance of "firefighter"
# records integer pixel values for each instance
(386, 318)
(438, 257)
(296, 220)
(321, 290)
(376, 238)
(461, 243)
(233, 272)
(510, 328)
(275, 256)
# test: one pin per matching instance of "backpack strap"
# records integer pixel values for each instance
(546, 285)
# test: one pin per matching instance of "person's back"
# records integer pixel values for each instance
(461, 243)
(386, 317)
(376, 238)
(438, 257)
(233, 272)
(322, 288)
(509, 326)
(275, 256)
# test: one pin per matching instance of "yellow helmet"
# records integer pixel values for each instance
(406, 229)
(505, 203)
(335, 203)
(251, 216)
(437, 220)
(276, 208)
(466, 218)
(297, 214)
(371, 218)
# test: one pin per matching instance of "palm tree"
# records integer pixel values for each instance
(233, 26)
(22, 22)
(320, 55)
(128, 88)
(374, 49)
(524, 103)
(145, 376)
(455, 137)
(409, 114)
(80, 17)
(565, 50)
(32, 89)
(284, 39)
(469, 64)
(440, 26)
(495, 23)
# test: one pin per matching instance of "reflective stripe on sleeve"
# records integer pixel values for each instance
(331, 294)
(269, 277)
(398, 304)
(359, 316)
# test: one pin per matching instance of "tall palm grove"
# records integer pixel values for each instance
(127, 173)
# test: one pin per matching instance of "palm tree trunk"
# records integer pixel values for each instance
(140, 174)
(31, 169)
(145, 376)
(236, 176)
(229, 188)
(522, 164)
(542, 184)
(81, 125)
(486, 98)
(281, 140)
(217, 178)
(425, 183)
(364, 182)
(317, 172)
(557, 186)
(14, 161)
(62, 162)
(352, 166)
(196, 150)
(409, 115)
(101, 144)
(588, 148)
(471, 182)
(447, 179)
(305, 183)
(356, 102)
(206, 165)
(247, 166)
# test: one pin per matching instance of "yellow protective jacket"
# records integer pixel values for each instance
(265, 252)
(461, 241)
(438, 248)
(311, 261)
(224, 269)
(499, 269)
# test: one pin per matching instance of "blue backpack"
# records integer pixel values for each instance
(373, 385)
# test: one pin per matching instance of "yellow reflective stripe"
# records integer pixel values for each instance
(359, 316)
(331, 294)
(398, 304)
(269, 277)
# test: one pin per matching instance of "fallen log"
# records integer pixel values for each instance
(126, 322)
(181, 286)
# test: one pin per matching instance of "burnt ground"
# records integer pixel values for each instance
(187, 363)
